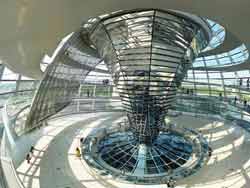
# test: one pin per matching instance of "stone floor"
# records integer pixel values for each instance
(54, 164)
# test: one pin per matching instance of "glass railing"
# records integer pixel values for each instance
(104, 99)
(98, 98)
(10, 178)
(7, 141)
(12, 113)
(209, 106)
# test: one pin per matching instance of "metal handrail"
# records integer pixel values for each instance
(3, 181)
(9, 160)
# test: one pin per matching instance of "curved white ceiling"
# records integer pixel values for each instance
(31, 28)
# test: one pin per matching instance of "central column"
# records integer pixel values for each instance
(148, 54)
(146, 116)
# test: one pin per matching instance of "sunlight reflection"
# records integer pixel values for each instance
(29, 174)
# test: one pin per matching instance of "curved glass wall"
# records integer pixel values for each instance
(205, 78)
(218, 84)
(233, 57)
(218, 33)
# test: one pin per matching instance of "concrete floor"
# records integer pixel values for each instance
(54, 164)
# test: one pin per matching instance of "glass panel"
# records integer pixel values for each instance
(9, 75)
(7, 86)
(26, 85)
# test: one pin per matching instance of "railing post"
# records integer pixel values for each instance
(94, 98)
(10, 132)
(109, 91)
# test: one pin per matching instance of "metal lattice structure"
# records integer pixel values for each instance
(62, 80)
(148, 53)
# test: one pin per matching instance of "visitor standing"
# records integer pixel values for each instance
(240, 81)
(28, 158)
(235, 100)
(88, 93)
(81, 140)
(32, 149)
(245, 103)
(78, 153)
